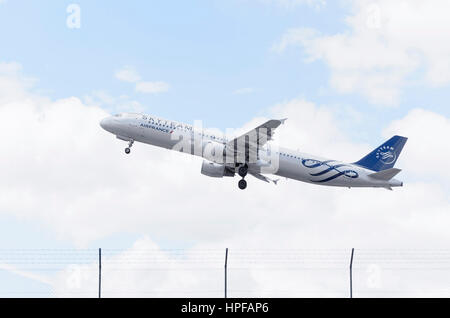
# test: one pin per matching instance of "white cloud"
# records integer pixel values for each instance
(328, 141)
(11, 69)
(427, 151)
(12, 83)
(113, 104)
(152, 87)
(102, 97)
(387, 42)
(64, 172)
(128, 74)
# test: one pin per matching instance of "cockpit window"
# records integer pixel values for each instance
(132, 115)
(127, 115)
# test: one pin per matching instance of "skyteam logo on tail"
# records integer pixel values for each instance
(386, 155)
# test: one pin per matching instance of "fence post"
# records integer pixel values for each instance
(99, 273)
(226, 262)
(351, 274)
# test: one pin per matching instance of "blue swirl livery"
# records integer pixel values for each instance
(329, 168)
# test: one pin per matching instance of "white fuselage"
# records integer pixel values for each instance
(290, 164)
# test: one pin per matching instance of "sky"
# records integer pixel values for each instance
(347, 74)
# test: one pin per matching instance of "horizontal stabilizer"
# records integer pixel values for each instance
(385, 175)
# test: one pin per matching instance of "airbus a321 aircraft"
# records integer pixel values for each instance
(251, 154)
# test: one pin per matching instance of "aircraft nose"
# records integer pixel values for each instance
(106, 124)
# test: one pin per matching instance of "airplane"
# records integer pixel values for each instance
(252, 154)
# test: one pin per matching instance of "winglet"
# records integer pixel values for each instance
(283, 120)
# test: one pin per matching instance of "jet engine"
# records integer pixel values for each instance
(214, 151)
(215, 170)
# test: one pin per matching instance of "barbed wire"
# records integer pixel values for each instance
(121, 262)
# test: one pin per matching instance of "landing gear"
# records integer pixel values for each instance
(130, 144)
(242, 171)
(242, 184)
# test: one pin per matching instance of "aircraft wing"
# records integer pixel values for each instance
(248, 144)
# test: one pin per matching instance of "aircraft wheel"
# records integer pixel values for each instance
(127, 150)
(242, 171)
(242, 184)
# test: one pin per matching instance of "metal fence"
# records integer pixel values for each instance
(211, 273)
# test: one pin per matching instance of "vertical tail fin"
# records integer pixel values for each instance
(385, 156)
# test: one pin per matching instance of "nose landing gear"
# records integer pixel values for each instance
(130, 144)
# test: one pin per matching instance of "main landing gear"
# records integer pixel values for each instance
(242, 184)
(242, 171)
(130, 144)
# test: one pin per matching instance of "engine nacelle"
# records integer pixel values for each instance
(214, 151)
(215, 170)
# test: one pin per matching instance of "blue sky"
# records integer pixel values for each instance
(208, 51)
(205, 50)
